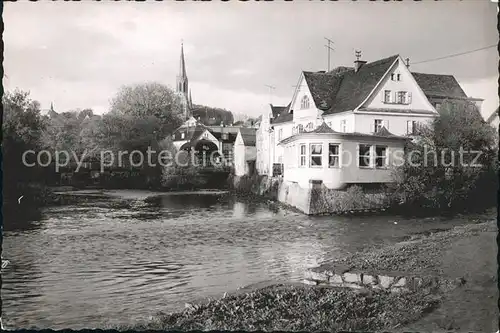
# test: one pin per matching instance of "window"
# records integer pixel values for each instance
(392, 76)
(280, 134)
(224, 136)
(316, 154)
(304, 102)
(378, 125)
(302, 155)
(401, 97)
(300, 128)
(343, 125)
(399, 77)
(438, 106)
(333, 155)
(387, 96)
(364, 156)
(182, 135)
(395, 77)
(411, 127)
(381, 156)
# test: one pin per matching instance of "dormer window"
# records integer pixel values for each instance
(309, 126)
(304, 102)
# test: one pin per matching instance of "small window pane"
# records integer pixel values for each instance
(381, 156)
(364, 155)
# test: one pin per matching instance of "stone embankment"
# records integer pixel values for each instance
(343, 276)
(314, 199)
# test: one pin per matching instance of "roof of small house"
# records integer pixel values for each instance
(323, 128)
(191, 132)
(248, 135)
(438, 85)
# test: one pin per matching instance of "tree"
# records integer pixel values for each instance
(22, 129)
(149, 100)
(453, 162)
(211, 116)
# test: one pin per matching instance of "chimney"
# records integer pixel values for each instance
(358, 63)
(407, 62)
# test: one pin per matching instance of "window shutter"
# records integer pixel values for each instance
(409, 127)
(372, 127)
(395, 97)
(382, 96)
(408, 96)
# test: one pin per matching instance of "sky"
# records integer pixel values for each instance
(78, 54)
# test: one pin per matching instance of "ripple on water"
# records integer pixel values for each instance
(82, 265)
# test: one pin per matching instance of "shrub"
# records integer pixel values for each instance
(453, 184)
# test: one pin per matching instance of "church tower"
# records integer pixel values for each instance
(182, 87)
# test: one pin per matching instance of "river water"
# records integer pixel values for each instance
(120, 259)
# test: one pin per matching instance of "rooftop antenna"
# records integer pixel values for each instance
(271, 88)
(329, 49)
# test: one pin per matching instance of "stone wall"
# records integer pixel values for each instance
(312, 200)
(341, 276)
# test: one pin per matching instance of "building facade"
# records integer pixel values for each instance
(369, 109)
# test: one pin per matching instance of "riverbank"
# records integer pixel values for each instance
(466, 253)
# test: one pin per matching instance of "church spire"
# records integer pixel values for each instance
(182, 65)
(182, 87)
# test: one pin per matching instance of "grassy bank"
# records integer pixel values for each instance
(322, 308)
(298, 308)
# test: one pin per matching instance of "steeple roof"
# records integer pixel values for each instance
(182, 65)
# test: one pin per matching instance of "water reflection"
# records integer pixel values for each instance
(84, 265)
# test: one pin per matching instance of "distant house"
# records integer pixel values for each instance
(347, 126)
(195, 135)
(245, 153)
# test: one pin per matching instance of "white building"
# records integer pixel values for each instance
(245, 153)
(370, 109)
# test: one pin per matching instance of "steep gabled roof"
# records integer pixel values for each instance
(437, 85)
(248, 135)
(277, 110)
(284, 116)
(344, 89)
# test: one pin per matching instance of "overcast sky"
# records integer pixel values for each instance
(77, 55)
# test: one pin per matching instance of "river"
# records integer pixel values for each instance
(120, 259)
